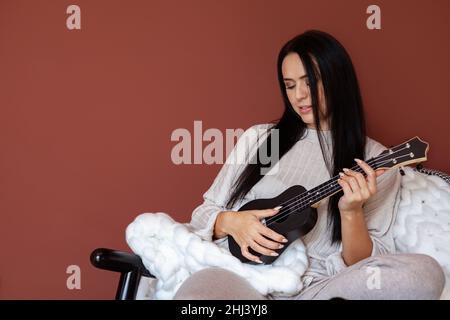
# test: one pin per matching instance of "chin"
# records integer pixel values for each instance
(307, 120)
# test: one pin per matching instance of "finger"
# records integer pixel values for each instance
(345, 187)
(354, 187)
(356, 191)
(371, 175)
(268, 243)
(266, 212)
(362, 183)
(271, 234)
(258, 248)
(248, 255)
(360, 180)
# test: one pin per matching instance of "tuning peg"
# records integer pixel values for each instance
(402, 172)
(419, 166)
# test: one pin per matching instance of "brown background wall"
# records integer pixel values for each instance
(86, 116)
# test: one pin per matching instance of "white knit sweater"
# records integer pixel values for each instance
(303, 165)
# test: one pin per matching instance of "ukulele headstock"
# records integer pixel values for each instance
(412, 151)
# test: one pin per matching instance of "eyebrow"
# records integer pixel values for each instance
(304, 76)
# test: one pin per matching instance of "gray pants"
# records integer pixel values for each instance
(394, 276)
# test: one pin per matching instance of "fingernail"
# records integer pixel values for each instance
(346, 170)
(259, 261)
(280, 246)
(277, 208)
(274, 254)
(357, 160)
(341, 174)
(284, 240)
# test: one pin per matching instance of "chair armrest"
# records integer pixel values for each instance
(118, 261)
(433, 172)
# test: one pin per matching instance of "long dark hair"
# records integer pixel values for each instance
(345, 115)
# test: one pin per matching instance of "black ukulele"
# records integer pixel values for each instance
(298, 214)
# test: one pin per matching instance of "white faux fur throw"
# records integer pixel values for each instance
(171, 252)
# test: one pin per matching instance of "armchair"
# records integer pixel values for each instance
(127, 264)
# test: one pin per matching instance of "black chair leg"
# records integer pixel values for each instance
(128, 285)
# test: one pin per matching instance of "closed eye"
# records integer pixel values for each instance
(289, 87)
(292, 87)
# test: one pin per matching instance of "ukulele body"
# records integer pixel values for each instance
(291, 222)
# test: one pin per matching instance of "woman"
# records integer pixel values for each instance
(321, 134)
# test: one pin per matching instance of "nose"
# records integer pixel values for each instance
(301, 92)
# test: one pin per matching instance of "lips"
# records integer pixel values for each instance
(305, 109)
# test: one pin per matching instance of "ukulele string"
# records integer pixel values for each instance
(373, 160)
(289, 204)
(291, 207)
(294, 205)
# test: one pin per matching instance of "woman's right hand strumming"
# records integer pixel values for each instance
(248, 231)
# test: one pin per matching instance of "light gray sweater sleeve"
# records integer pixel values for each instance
(381, 208)
(379, 212)
(216, 197)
